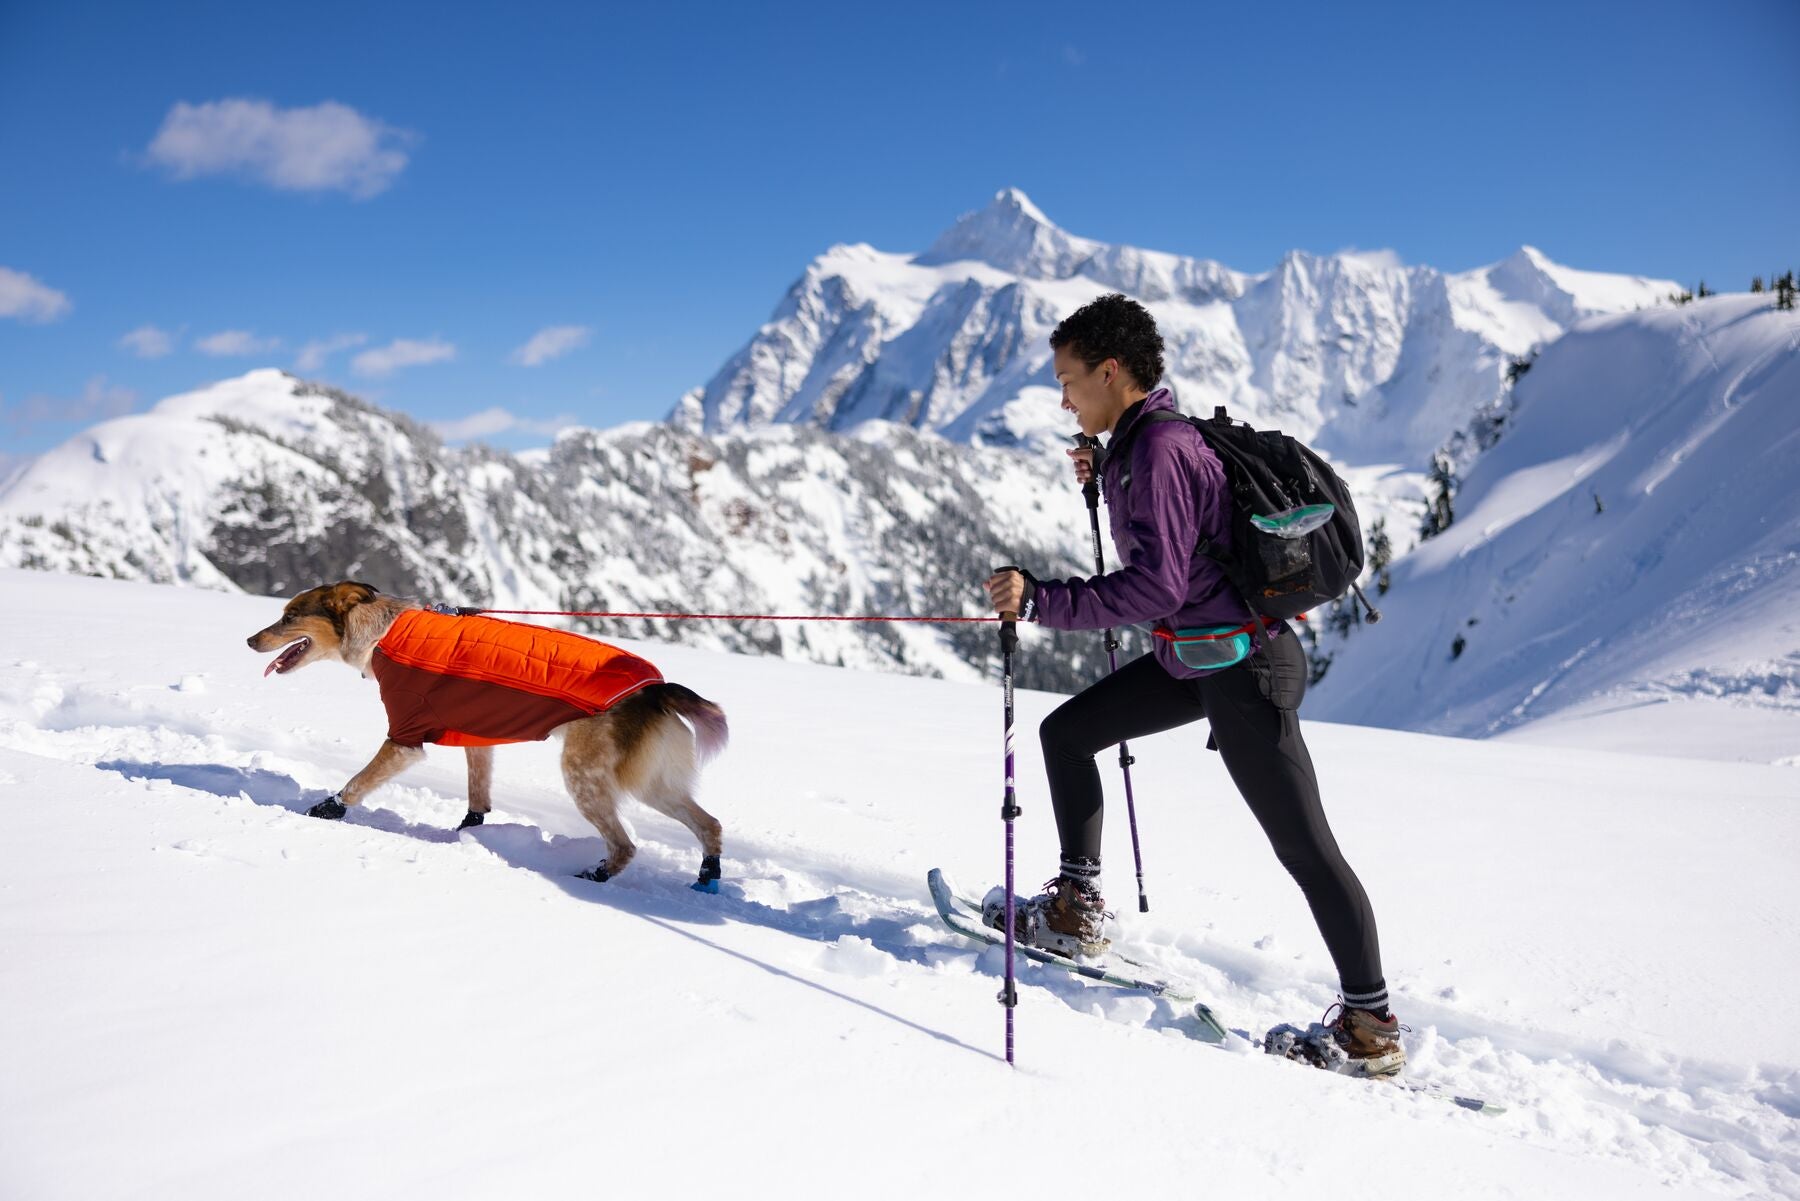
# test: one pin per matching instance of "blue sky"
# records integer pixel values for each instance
(432, 186)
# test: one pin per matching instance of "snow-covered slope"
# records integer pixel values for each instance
(1632, 540)
(1378, 361)
(209, 995)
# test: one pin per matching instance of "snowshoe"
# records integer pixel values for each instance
(1068, 918)
(1354, 1043)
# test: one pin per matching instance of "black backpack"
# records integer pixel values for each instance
(1272, 478)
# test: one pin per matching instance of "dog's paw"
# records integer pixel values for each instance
(598, 874)
(331, 809)
(709, 875)
(471, 818)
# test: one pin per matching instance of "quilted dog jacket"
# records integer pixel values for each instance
(477, 681)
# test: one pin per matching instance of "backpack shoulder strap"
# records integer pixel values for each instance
(1120, 451)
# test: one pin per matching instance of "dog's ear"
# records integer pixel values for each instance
(339, 599)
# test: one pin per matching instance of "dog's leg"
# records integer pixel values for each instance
(674, 798)
(587, 772)
(481, 784)
(662, 777)
(389, 761)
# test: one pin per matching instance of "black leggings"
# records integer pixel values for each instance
(1252, 711)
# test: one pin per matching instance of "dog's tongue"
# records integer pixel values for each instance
(288, 654)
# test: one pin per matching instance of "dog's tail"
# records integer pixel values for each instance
(711, 733)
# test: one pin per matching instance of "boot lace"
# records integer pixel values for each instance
(1337, 1013)
(1081, 895)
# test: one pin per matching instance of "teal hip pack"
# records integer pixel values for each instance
(1210, 647)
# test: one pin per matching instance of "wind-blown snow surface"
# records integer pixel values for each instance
(1624, 561)
(209, 994)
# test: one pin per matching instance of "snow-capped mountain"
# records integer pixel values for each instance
(1632, 538)
(891, 434)
(1373, 360)
(270, 484)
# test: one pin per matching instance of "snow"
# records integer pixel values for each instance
(1630, 543)
(1376, 359)
(211, 995)
(747, 501)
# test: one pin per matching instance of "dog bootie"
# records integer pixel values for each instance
(331, 809)
(471, 818)
(709, 876)
(597, 873)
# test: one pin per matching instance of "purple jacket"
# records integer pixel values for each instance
(1177, 490)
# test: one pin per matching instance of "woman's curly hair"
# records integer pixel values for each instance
(1114, 327)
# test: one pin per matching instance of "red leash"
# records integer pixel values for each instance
(713, 616)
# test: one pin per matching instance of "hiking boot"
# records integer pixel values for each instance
(1371, 1040)
(1068, 918)
(1354, 1043)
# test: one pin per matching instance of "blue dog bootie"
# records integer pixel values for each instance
(709, 876)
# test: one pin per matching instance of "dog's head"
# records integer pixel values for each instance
(312, 626)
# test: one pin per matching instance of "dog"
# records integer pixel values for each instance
(497, 681)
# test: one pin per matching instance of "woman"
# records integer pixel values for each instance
(1108, 358)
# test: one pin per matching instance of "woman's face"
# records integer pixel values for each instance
(1086, 392)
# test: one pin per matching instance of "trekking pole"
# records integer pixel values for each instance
(1091, 491)
(1009, 809)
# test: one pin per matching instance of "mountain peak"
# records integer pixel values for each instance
(1014, 201)
(1013, 234)
(1528, 256)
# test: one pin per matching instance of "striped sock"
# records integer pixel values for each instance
(1375, 999)
(1083, 868)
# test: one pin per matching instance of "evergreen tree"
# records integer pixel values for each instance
(1701, 292)
(1381, 553)
(1756, 283)
(1442, 482)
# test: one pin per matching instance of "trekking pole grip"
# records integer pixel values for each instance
(1090, 490)
(1009, 622)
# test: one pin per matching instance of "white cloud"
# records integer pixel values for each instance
(550, 343)
(402, 352)
(97, 402)
(25, 298)
(148, 342)
(328, 147)
(489, 422)
(229, 343)
(313, 355)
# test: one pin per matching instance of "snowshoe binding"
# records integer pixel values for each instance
(1068, 918)
(1354, 1042)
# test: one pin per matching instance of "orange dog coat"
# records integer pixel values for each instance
(478, 681)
